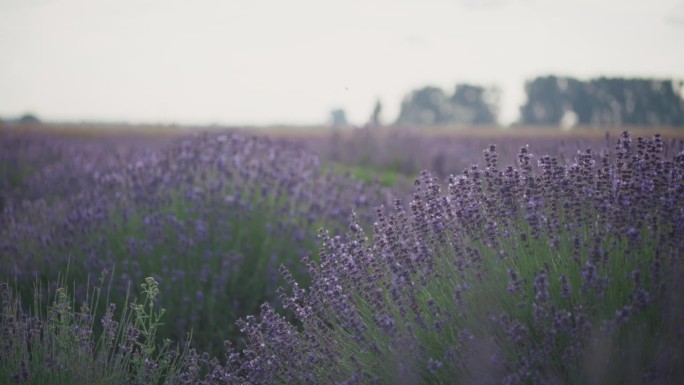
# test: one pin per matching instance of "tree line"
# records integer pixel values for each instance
(553, 101)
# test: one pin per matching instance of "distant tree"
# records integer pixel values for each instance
(338, 117)
(425, 106)
(642, 102)
(375, 116)
(545, 101)
(474, 104)
(469, 104)
(603, 101)
(29, 118)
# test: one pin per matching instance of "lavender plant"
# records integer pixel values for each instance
(210, 217)
(514, 275)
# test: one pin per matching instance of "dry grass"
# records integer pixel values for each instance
(294, 132)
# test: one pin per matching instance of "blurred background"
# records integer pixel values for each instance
(346, 63)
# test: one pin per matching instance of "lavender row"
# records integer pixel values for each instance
(210, 217)
(533, 273)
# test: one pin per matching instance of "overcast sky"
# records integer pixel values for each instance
(292, 61)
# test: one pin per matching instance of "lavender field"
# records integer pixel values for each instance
(229, 258)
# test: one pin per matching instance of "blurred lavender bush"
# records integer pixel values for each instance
(407, 151)
(210, 217)
(37, 166)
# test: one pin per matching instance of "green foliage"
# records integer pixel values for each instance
(386, 177)
(66, 346)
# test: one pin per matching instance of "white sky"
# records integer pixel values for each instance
(292, 61)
